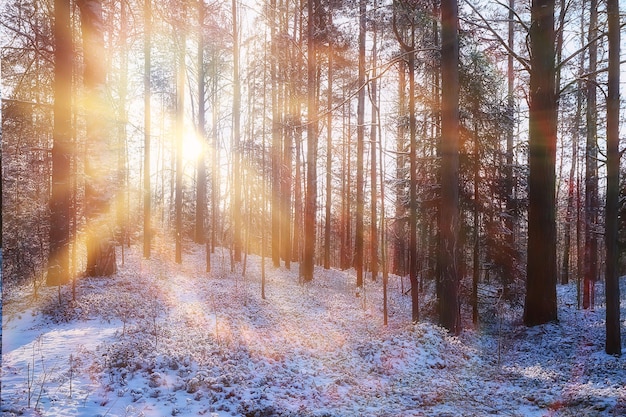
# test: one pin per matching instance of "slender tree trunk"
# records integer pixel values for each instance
(540, 303)
(509, 272)
(201, 192)
(100, 156)
(613, 338)
(58, 255)
(360, 149)
(399, 262)
(413, 257)
(180, 112)
(373, 143)
(276, 134)
(591, 165)
(236, 140)
(329, 147)
(310, 209)
(449, 315)
(147, 193)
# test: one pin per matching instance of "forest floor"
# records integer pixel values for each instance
(160, 339)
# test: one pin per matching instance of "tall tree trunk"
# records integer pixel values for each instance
(201, 192)
(449, 314)
(236, 140)
(591, 165)
(329, 146)
(360, 149)
(276, 136)
(310, 208)
(540, 303)
(373, 143)
(100, 156)
(399, 251)
(180, 112)
(509, 269)
(613, 338)
(58, 255)
(147, 194)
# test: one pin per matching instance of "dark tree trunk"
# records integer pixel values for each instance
(540, 303)
(613, 337)
(449, 315)
(399, 251)
(373, 143)
(58, 256)
(99, 161)
(509, 268)
(591, 166)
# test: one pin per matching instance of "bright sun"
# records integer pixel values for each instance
(192, 147)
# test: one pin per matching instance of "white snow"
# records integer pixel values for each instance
(161, 339)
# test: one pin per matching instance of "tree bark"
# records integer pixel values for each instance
(540, 302)
(360, 149)
(613, 338)
(310, 207)
(201, 191)
(58, 255)
(591, 165)
(449, 314)
(147, 193)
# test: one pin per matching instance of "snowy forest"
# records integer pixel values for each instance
(313, 208)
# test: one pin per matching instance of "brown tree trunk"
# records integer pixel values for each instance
(540, 303)
(591, 165)
(58, 255)
(613, 338)
(373, 143)
(449, 314)
(360, 149)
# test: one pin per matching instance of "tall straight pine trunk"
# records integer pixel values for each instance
(449, 314)
(540, 303)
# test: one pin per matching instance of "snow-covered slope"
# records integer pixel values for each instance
(162, 339)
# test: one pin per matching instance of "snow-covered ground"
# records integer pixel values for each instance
(161, 339)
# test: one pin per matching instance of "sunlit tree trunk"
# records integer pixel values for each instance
(329, 147)
(310, 208)
(613, 338)
(540, 303)
(58, 255)
(276, 137)
(449, 314)
(180, 111)
(147, 193)
(100, 156)
(236, 140)
(201, 194)
(360, 149)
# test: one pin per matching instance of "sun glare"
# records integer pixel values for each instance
(192, 148)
